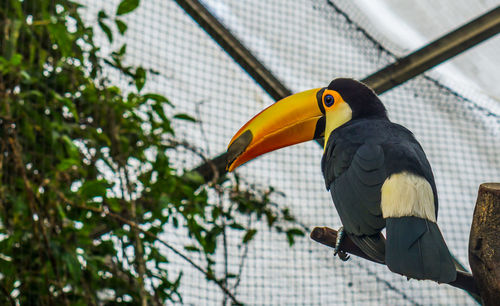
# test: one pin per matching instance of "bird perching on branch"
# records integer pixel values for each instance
(376, 171)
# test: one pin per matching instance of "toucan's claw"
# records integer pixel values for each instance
(342, 254)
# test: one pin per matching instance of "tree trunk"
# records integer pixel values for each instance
(484, 243)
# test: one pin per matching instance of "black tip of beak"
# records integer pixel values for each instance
(238, 146)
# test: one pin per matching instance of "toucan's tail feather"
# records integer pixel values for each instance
(415, 248)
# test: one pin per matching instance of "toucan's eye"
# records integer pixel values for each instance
(329, 100)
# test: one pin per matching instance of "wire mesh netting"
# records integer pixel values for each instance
(306, 44)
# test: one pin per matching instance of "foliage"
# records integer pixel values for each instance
(85, 170)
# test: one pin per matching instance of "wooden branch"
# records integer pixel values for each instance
(328, 237)
(484, 243)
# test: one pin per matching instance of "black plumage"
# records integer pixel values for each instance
(359, 156)
(417, 250)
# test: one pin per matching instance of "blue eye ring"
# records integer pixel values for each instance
(329, 100)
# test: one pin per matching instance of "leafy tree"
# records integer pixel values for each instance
(86, 179)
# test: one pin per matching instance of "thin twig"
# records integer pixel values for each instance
(242, 261)
(139, 250)
(220, 194)
(8, 296)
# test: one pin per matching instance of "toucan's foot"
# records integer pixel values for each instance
(342, 254)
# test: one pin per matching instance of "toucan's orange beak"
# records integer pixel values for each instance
(294, 119)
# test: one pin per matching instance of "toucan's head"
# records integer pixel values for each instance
(304, 116)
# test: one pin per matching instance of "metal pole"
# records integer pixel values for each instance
(385, 79)
(235, 49)
(436, 52)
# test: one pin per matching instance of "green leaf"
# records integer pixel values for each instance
(122, 51)
(140, 78)
(293, 232)
(73, 265)
(70, 104)
(122, 26)
(127, 6)
(67, 163)
(184, 117)
(249, 235)
(16, 59)
(71, 148)
(157, 98)
(26, 76)
(6, 267)
(216, 212)
(194, 177)
(114, 204)
(191, 248)
(236, 226)
(106, 30)
(95, 188)
(158, 109)
(296, 231)
(61, 212)
(62, 38)
(102, 15)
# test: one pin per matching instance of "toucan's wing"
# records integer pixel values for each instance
(373, 246)
(358, 172)
(356, 191)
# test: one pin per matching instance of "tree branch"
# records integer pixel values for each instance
(7, 295)
(328, 237)
(34, 209)
(139, 248)
(484, 245)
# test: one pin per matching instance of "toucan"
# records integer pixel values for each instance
(376, 171)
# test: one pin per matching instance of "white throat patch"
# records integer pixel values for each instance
(340, 114)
